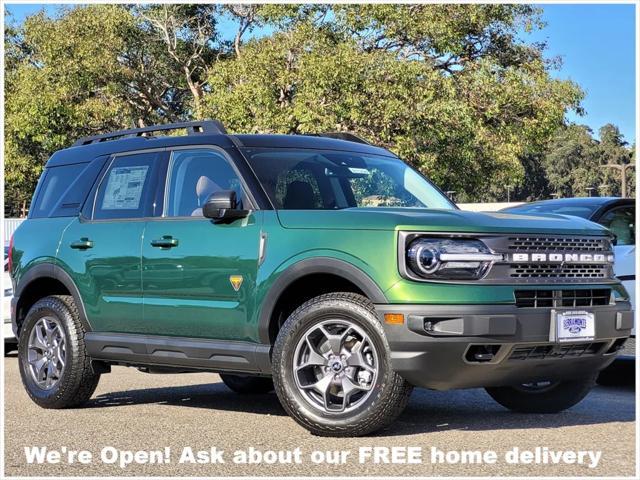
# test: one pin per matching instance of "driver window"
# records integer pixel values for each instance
(621, 221)
(194, 176)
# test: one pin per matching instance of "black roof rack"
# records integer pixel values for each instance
(210, 127)
(350, 137)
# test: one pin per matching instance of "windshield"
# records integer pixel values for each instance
(305, 179)
(584, 211)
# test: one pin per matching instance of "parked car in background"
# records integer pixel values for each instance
(10, 342)
(618, 215)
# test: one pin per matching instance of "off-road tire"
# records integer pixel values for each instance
(558, 397)
(78, 380)
(390, 393)
(247, 384)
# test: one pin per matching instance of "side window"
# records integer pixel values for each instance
(194, 176)
(127, 189)
(55, 183)
(621, 221)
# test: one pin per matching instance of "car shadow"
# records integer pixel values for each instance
(428, 411)
(209, 395)
(475, 410)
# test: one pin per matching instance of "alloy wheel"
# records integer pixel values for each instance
(335, 366)
(46, 354)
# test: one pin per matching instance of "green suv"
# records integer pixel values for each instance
(319, 266)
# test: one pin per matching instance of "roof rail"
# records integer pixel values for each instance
(350, 137)
(210, 127)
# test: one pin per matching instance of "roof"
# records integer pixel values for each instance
(308, 141)
(86, 153)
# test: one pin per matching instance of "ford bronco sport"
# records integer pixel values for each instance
(321, 266)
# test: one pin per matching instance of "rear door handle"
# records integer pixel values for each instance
(82, 244)
(165, 242)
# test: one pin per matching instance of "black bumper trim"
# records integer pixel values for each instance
(437, 356)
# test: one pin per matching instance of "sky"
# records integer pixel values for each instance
(595, 42)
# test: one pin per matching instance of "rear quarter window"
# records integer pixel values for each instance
(55, 182)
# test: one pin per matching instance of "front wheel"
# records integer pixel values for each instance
(332, 368)
(543, 397)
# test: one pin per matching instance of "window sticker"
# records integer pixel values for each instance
(124, 188)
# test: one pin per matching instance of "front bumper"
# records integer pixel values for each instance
(466, 346)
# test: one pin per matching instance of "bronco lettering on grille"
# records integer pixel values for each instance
(562, 257)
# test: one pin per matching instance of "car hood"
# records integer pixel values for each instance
(436, 221)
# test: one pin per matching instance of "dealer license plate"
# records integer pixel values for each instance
(573, 326)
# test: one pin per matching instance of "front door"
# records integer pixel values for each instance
(199, 276)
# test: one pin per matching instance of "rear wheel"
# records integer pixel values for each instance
(332, 368)
(543, 397)
(54, 365)
(247, 384)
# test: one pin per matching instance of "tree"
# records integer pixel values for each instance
(189, 35)
(616, 162)
(535, 185)
(572, 161)
(447, 87)
(450, 88)
(89, 70)
(60, 84)
(575, 161)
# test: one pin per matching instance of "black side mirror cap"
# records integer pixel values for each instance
(222, 206)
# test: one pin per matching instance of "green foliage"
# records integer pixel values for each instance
(449, 88)
(575, 161)
(445, 87)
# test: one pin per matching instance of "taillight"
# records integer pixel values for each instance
(10, 255)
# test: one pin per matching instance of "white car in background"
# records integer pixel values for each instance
(10, 342)
(619, 216)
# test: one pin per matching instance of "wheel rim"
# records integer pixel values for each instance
(46, 353)
(335, 366)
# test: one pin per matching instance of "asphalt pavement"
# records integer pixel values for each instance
(137, 412)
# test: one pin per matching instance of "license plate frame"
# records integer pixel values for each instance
(569, 326)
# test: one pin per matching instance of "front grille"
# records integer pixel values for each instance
(585, 298)
(538, 352)
(590, 297)
(558, 244)
(555, 270)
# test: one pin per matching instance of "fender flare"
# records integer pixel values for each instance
(51, 270)
(310, 266)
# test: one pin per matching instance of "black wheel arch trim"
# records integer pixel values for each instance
(309, 266)
(51, 270)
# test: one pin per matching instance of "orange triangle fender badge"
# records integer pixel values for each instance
(236, 281)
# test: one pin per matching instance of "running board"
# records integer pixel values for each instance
(196, 353)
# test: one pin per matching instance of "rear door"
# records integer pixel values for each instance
(199, 276)
(102, 248)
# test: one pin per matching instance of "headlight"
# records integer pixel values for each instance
(449, 259)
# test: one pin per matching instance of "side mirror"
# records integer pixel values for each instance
(222, 206)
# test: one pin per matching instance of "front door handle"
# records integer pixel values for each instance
(165, 242)
(82, 244)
